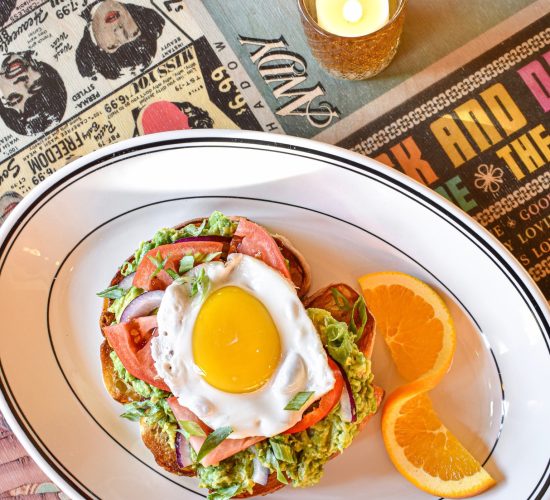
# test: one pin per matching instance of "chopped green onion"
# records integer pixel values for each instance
(135, 410)
(200, 283)
(173, 274)
(159, 263)
(340, 300)
(127, 268)
(186, 263)
(190, 428)
(134, 416)
(213, 440)
(113, 292)
(212, 256)
(363, 316)
(224, 493)
(282, 451)
(179, 280)
(298, 401)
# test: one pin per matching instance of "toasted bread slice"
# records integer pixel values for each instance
(115, 386)
(153, 438)
(300, 271)
(158, 444)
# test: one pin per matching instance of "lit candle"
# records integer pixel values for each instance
(352, 17)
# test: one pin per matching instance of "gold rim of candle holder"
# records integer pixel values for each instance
(337, 54)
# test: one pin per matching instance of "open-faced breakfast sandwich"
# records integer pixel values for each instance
(234, 373)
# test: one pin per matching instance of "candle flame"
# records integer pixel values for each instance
(352, 11)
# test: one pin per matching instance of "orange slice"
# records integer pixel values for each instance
(414, 322)
(420, 335)
(425, 451)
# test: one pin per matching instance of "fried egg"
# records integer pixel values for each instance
(237, 354)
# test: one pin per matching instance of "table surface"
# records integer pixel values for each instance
(467, 95)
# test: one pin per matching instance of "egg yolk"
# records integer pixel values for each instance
(235, 341)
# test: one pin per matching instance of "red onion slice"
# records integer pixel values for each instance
(126, 282)
(348, 410)
(183, 456)
(142, 305)
(260, 474)
(347, 407)
(219, 239)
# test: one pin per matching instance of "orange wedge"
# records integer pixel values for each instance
(420, 335)
(414, 322)
(425, 451)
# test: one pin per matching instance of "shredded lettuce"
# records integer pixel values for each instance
(154, 407)
(118, 305)
(216, 225)
(339, 341)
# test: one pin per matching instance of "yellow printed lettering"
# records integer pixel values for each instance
(452, 140)
(478, 124)
(504, 109)
(542, 140)
(505, 154)
(527, 153)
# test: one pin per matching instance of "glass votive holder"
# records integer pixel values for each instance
(356, 57)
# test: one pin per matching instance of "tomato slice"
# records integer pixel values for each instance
(252, 239)
(174, 253)
(132, 343)
(224, 450)
(326, 403)
(184, 413)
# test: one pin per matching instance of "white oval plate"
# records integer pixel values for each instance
(349, 215)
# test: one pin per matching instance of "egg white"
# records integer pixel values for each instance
(303, 365)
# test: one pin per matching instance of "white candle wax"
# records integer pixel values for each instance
(351, 18)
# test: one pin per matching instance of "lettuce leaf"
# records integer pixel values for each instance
(335, 335)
